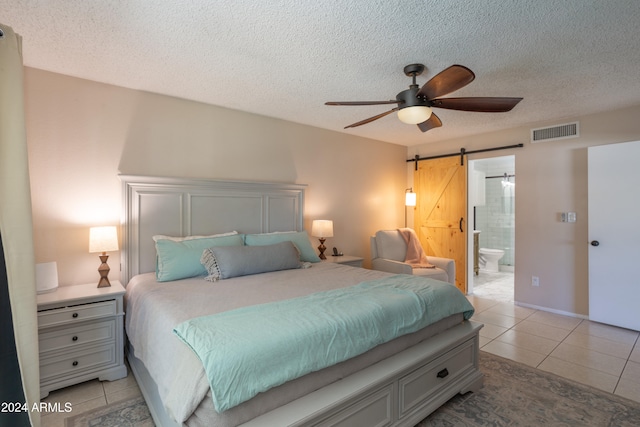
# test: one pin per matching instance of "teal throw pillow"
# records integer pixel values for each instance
(298, 238)
(179, 259)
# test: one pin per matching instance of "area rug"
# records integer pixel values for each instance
(518, 395)
(513, 395)
(126, 413)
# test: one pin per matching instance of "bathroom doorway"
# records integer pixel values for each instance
(492, 191)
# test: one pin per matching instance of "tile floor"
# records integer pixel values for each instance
(591, 353)
(89, 395)
(494, 286)
(602, 356)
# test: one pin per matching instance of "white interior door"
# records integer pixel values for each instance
(614, 234)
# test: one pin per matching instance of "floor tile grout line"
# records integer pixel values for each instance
(591, 350)
(571, 331)
(586, 349)
(558, 343)
(627, 363)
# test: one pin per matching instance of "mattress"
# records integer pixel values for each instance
(154, 309)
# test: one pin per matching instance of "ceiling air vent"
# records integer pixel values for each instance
(554, 133)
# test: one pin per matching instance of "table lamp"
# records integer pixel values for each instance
(322, 229)
(103, 239)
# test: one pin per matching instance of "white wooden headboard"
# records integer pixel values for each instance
(184, 207)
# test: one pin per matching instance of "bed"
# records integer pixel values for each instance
(396, 383)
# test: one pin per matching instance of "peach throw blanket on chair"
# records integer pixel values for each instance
(415, 257)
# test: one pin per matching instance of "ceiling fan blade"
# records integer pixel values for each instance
(479, 104)
(431, 123)
(451, 79)
(362, 102)
(370, 119)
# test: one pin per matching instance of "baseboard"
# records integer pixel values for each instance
(551, 310)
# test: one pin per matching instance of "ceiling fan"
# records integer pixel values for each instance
(415, 103)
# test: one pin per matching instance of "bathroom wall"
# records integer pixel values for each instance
(496, 219)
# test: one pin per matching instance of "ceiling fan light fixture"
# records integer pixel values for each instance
(414, 104)
(414, 115)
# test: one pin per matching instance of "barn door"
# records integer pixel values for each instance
(441, 211)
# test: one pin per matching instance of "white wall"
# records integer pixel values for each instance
(552, 178)
(82, 134)
(496, 218)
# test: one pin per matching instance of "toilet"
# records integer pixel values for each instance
(489, 259)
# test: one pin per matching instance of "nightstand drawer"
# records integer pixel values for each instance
(88, 333)
(81, 335)
(353, 261)
(78, 362)
(356, 263)
(66, 315)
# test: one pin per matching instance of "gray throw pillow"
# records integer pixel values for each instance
(232, 261)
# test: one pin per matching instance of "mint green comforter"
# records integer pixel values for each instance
(252, 349)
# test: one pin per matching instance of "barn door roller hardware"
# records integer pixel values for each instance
(462, 153)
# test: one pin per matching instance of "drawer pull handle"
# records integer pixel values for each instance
(75, 338)
(75, 363)
(74, 315)
(443, 373)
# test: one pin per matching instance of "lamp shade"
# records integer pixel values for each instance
(414, 115)
(46, 277)
(322, 228)
(410, 198)
(103, 239)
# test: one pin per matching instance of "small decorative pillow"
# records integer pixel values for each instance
(224, 262)
(299, 238)
(179, 258)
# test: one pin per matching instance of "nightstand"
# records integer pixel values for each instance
(353, 261)
(81, 335)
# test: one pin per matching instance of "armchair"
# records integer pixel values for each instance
(389, 250)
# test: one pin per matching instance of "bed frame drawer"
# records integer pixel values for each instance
(89, 333)
(417, 387)
(78, 362)
(375, 410)
(399, 391)
(78, 313)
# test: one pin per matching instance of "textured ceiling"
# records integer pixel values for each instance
(285, 58)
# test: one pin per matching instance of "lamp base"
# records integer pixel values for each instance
(104, 271)
(322, 248)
